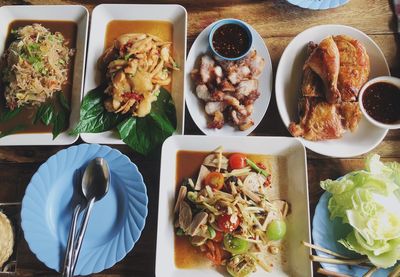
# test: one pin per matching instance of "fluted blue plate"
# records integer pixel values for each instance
(318, 4)
(326, 233)
(116, 222)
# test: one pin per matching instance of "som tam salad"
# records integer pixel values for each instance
(225, 212)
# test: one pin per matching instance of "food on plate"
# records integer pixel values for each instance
(133, 97)
(6, 239)
(228, 214)
(35, 71)
(333, 75)
(35, 66)
(324, 61)
(136, 67)
(231, 40)
(369, 201)
(381, 101)
(228, 89)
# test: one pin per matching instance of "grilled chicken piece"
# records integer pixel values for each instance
(311, 85)
(351, 115)
(354, 67)
(318, 120)
(325, 61)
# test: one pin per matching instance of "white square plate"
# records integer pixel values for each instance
(80, 16)
(298, 227)
(101, 16)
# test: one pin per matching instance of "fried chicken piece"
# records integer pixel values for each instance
(319, 120)
(325, 61)
(354, 67)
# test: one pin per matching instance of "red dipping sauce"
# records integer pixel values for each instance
(231, 40)
(381, 101)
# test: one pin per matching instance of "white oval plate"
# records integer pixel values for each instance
(288, 82)
(196, 106)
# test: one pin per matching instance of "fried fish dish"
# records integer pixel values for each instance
(333, 75)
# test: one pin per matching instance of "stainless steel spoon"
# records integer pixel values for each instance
(95, 184)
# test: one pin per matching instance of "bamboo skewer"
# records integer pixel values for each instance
(327, 251)
(395, 272)
(337, 261)
(371, 271)
(331, 273)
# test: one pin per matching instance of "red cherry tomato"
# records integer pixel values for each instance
(228, 223)
(215, 180)
(237, 161)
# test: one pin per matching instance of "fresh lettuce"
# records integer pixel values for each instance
(369, 200)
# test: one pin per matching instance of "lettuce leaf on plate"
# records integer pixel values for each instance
(369, 201)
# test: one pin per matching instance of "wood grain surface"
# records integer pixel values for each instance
(277, 22)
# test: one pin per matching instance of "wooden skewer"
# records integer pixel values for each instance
(337, 261)
(371, 271)
(331, 273)
(327, 251)
(395, 272)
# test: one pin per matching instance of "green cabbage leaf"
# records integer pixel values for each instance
(369, 200)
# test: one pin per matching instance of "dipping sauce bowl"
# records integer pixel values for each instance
(379, 101)
(230, 39)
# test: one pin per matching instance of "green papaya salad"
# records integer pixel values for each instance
(225, 213)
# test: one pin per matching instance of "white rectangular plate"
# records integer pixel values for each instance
(80, 16)
(105, 13)
(298, 225)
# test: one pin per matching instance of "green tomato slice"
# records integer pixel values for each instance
(235, 245)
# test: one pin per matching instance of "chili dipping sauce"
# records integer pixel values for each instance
(231, 40)
(382, 102)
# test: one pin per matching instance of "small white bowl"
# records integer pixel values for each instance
(387, 79)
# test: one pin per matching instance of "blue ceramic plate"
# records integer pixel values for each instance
(326, 233)
(116, 221)
(318, 4)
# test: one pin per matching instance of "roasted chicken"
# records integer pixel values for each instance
(328, 104)
(354, 67)
(325, 61)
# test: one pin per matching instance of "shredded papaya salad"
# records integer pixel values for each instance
(227, 214)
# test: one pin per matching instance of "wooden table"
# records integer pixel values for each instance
(277, 22)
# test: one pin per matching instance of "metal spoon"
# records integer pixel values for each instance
(95, 184)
